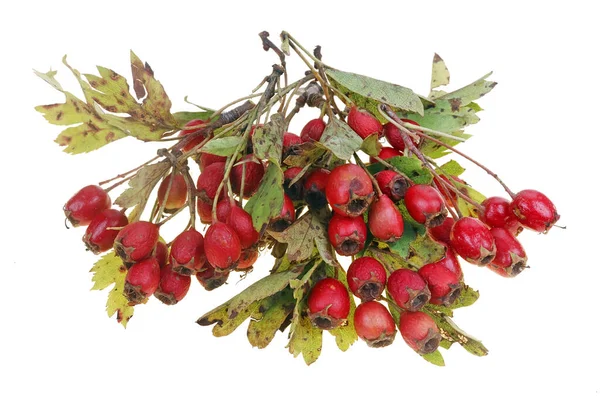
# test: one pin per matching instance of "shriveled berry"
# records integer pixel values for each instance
(207, 159)
(374, 324)
(393, 136)
(472, 240)
(136, 241)
(187, 252)
(209, 181)
(255, 171)
(386, 153)
(174, 196)
(286, 217)
(444, 285)
(392, 184)
(347, 235)
(315, 185)
(142, 280)
(349, 190)
(295, 191)
(222, 246)
(441, 233)
(247, 259)
(328, 303)
(426, 205)
(363, 123)
(211, 278)
(313, 130)
(385, 220)
(366, 278)
(420, 332)
(84, 205)
(100, 235)
(510, 258)
(172, 286)
(534, 210)
(408, 289)
(193, 126)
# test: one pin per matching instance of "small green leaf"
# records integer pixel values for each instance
(271, 314)
(391, 260)
(267, 141)
(439, 72)
(268, 200)
(452, 333)
(142, 184)
(451, 168)
(466, 208)
(371, 145)
(377, 91)
(409, 166)
(468, 296)
(340, 139)
(424, 250)
(402, 245)
(301, 237)
(306, 339)
(183, 117)
(305, 154)
(471, 92)
(435, 358)
(224, 146)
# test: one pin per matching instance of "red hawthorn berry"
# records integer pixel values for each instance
(161, 253)
(374, 324)
(204, 207)
(207, 159)
(187, 252)
(313, 130)
(142, 280)
(510, 257)
(419, 331)
(392, 134)
(291, 141)
(451, 263)
(441, 233)
(392, 184)
(295, 191)
(211, 278)
(349, 190)
(222, 246)
(209, 181)
(314, 187)
(84, 205)
(363, 123)
(496, 212)
(255, 171)
(192, 127)
(247, 259)
(472, 240)
(177, 195)
(286, 217)
(136, 241)
(386, 153)
(408, 289)
(99, 235)
(241, 222)
(444, 285)
(224, 210)
(328, 303)
(426, 205)
(172, 286)
(366, 278)
(534, 210)
(385, 220)
(347, 235)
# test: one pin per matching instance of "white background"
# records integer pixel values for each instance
(539, 130)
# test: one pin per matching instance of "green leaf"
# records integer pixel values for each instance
(424, 250)
(371, 145)
(409, 166)
(267, 141)
(183, 117)
(469, 93)
(452, 168)
(439, 72)
(402, 245)
(225, 146)
(340, 139)
(468, 296)
(107, 271)
(435, 358)
(306, 339)
(390, 260)
(301, 237)
(452, 333)
(466, 208)
(268, 200)
(305, 154)
(377, 91)
(142, 184)
(272, 312)
(229, 315)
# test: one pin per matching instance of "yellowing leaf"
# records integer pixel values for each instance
(271, 315)
(439, 72)
(340, 139)
(268, 200)
(301, 237)
(306, 339)
(268, 140)
(141, 185)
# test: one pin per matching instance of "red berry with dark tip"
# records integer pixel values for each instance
(363, 123)
(177, 189)
(441, 233)
(426, 205)
(193, 126)
(255, 171)
(247, 259)
(393, 136)
(142, 280)
(347, 235)
(534, 210)
(314, 188)
(84, 205)
(444, 285)
(100, 235)
(209, 181)
(294, 191)
(187, 252)
(510, 258)
(366, 278)
(222, 246)
(286, 217)
(313, 130)
(385, 153)
(207, 159)
(385, 220)
(211, 278)
(328, 303)
(136, 241)
(349, 190)
(472, 240)
(420, 332)
(392, 184)
(408, 289)
(290, 139)
(374, 324)
(172, 286)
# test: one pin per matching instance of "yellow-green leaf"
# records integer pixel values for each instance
(272, 312)
(306, 339)
(439, 72)
(267, 141)
(340, 139)
(301, 237)
(268, 200)
(141, 185)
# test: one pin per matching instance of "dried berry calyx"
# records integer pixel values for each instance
(362, 179)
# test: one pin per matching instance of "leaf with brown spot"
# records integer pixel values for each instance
(272, 312)
(301, 237)
(371, 145)
(142, 184)
(340, 139)
(439, 73)
(267, 140)
(306, 339)
(452, 333)
(306, 153)
(267, 202)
